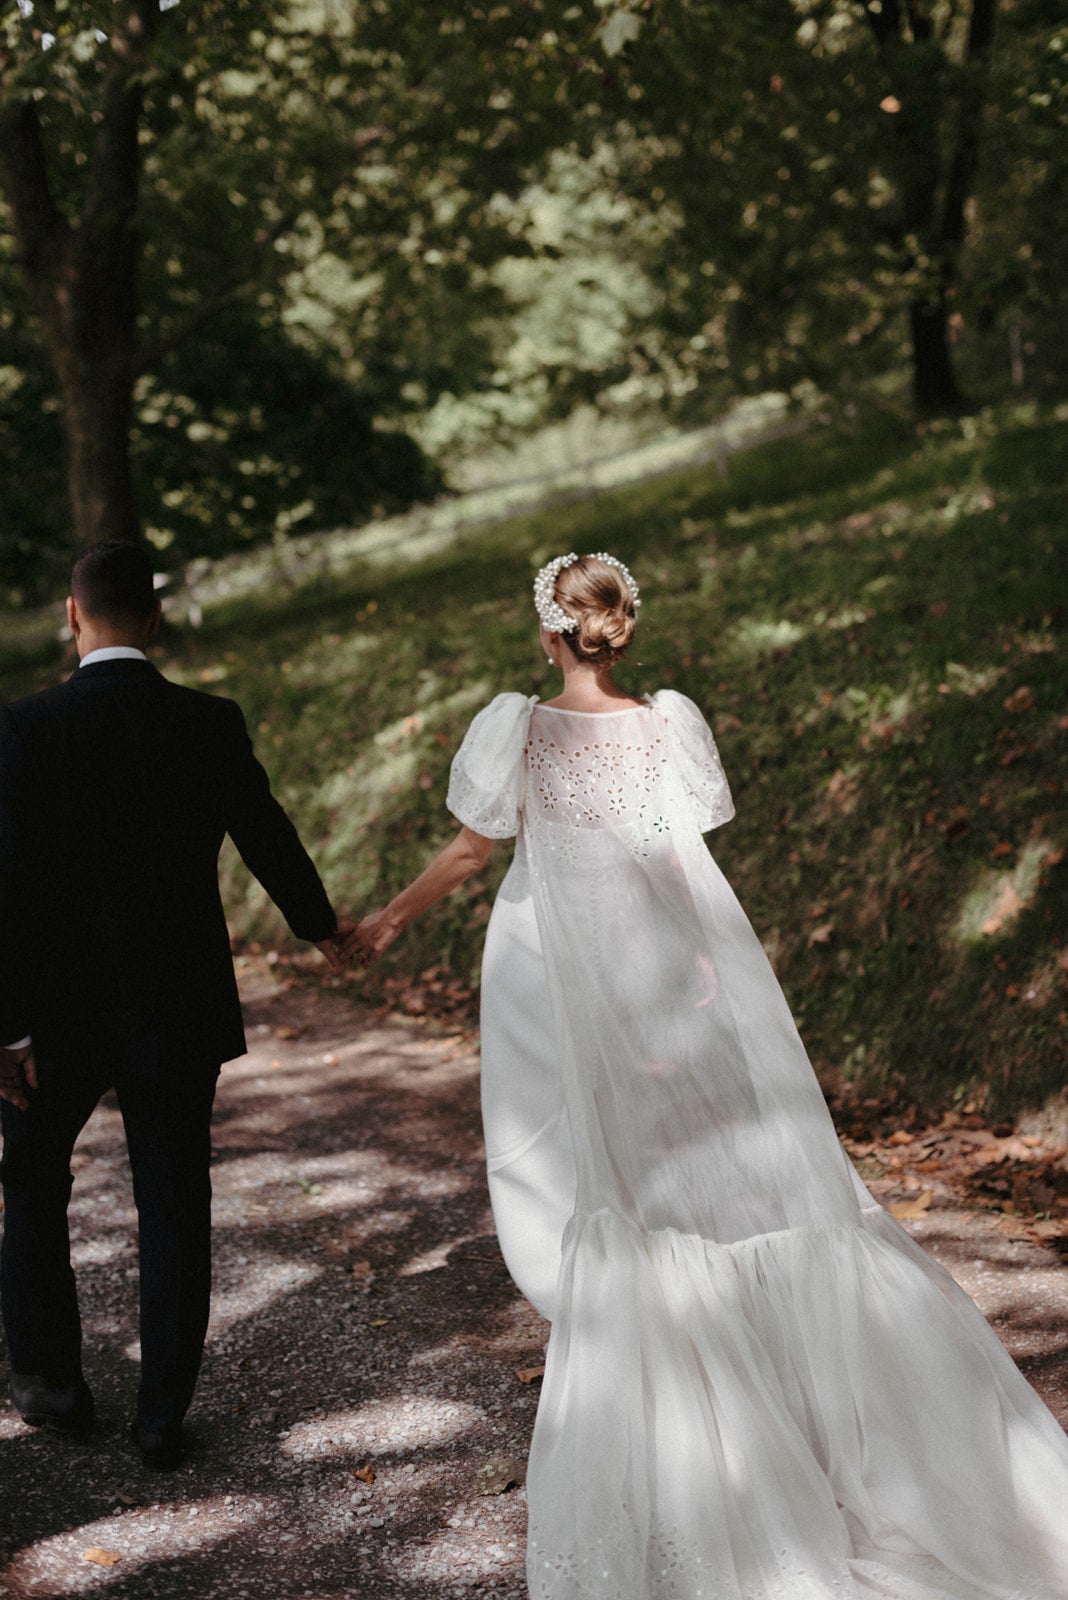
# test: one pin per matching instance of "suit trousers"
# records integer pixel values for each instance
(166, 1113)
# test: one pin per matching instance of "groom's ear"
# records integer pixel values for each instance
(73, 621)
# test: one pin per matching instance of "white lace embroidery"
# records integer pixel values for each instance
(674, 1571)
(578, 786)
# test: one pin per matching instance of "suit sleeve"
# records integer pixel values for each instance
(13, 1023)
(268, 842)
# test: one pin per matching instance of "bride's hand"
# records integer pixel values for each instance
(374, 934)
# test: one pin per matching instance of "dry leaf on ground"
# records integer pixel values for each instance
(528, 1374)
(101, 1558)
(366, 1474)
(908, 1210)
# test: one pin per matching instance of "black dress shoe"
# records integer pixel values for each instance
(161, 1449)
(68, 1408)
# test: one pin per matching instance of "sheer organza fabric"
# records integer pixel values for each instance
(757, 1386)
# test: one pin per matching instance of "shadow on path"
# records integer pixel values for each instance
(363, 1323)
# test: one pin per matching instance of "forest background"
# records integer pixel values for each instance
(272, 274)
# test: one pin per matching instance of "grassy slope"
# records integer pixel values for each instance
(852, 609)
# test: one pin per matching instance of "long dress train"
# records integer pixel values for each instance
(757, 1387)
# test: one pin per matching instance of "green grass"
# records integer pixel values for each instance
(852, 609)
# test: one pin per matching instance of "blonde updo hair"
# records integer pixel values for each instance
(599, 599)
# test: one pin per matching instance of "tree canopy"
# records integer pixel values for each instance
(841, 171)
(251, 251)
(164, 161)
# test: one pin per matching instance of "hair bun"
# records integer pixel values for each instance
(598, 592)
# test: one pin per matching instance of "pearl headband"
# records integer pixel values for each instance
(554, 617)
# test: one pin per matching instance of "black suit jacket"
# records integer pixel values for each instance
(116, 789)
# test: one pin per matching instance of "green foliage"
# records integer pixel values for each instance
(246, 436)
(869, 614)
(831, 165)
(321, 187)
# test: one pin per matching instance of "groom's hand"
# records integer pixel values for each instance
(18, 1074)
(333, 949)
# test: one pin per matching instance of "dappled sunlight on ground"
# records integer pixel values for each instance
(135, 1538)
(376, 1429)
(370, 1378)
(998, 898)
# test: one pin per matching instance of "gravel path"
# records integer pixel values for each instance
(360, 1423)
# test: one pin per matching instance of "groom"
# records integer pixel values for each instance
(116, 789)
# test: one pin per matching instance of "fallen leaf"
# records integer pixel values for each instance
(1020, 699)
(957, 824)
(286, 1032)
(366, 1474)
(1003, 848)
(906, 1210)
(500, 1473)
(822, 934)
(899, 1136)
(102, 1558)
(379, 1322)
(528, 1374)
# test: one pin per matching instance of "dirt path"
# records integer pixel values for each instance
(364, 1328)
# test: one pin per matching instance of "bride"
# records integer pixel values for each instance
(757, 1386)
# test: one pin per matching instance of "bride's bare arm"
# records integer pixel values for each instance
(460, 859)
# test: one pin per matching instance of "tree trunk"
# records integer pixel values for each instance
(935, 181)
(934, 381)
(82, 273)
(97, 406)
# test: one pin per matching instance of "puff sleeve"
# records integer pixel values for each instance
(696, 759)
(486, 781)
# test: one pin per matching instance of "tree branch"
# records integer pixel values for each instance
(114, 180)
(965, 162)
(885, 23)
(41, 231)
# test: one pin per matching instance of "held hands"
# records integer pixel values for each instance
(350, 945)
(18, 1075)
(333, 949)
(366, 943)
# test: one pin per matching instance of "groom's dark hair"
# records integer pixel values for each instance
(112, 581)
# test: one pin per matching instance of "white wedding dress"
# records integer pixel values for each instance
(757, 1386)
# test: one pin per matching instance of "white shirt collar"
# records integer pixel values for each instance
(113, 652)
